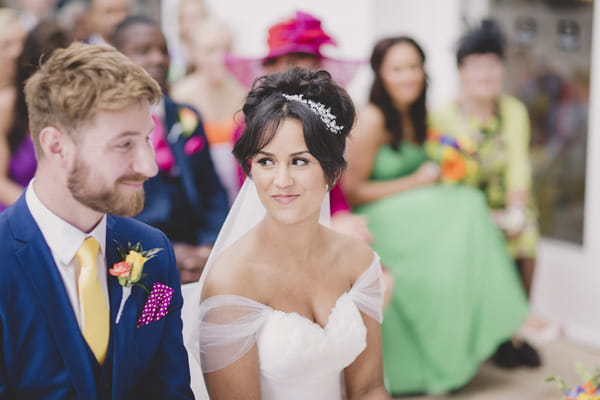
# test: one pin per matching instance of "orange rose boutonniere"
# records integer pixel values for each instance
(130, 271)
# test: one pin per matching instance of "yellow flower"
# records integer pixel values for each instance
(188, 120)
(471, 167)
(466, 143)
(137, 262)
(450, 154)
(585, 396)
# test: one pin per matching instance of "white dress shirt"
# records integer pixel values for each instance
(64, 240)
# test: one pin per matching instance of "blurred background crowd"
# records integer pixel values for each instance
(471, 144)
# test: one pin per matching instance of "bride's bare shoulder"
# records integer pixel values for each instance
(232, 271)
(353, 255)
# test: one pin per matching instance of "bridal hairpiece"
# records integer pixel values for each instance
(323, 112)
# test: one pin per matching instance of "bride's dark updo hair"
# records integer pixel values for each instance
(266, 107)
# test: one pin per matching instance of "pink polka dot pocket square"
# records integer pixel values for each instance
(156, 305)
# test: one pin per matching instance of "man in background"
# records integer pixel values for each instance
(185, 200)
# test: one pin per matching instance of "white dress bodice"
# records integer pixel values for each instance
(298, 358)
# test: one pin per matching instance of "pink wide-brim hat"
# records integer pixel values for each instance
(301, 34)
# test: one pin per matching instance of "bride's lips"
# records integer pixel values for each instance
(285, 198)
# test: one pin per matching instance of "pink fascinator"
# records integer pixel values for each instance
(301, 34)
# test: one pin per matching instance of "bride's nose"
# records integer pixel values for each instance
(283, 177)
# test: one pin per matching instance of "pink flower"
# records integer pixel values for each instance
(120, 269)
(164, 158)
(193, 145)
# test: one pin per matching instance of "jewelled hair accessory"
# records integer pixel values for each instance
(323, 112)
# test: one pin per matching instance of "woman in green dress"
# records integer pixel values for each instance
(499, 125)
(457, 296)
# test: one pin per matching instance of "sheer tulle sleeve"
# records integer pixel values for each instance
(367, 291)
(228, 328)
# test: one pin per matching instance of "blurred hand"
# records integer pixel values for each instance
(427, 173)
(351, 224)
(191, 260)
(511, 220)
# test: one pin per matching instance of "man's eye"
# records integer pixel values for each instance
(124, 145)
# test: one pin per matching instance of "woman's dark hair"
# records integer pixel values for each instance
(266, 107)
(46, 37)
(486, 38)
(382, 99)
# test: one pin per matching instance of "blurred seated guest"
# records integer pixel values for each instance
(190, 15)
(31, 12)
(457, 297)
(46, 37)
(13, 174)
(104, 16)
(186, 199)
(499, 125)
(297, 42)
(215, 94)
(74, 17)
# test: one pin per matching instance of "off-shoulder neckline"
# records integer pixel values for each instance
(207, 303)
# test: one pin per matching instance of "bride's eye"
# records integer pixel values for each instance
(265, 162)
(299, 161)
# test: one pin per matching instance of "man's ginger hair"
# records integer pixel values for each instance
(78, 82)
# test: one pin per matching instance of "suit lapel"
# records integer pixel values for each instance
(123, 333)
(119, 336)
(112, 256)
(37, 261)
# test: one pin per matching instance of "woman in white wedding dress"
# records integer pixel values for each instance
(290, 309)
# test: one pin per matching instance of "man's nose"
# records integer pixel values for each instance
(144, 162)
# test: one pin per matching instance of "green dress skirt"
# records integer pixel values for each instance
(457, 294)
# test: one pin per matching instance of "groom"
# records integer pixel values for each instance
(75, 321)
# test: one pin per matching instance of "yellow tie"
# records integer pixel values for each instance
(92, 300)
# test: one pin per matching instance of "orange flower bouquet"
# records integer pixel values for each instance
(455, 156)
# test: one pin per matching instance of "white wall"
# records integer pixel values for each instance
(566, 289)
(569, 277)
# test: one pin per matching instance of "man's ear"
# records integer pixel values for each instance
(52, 143)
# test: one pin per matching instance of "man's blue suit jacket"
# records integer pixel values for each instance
(43, 354)
(190, 204)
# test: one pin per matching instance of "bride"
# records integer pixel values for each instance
(290, 309)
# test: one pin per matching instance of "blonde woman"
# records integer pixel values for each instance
(215, 94)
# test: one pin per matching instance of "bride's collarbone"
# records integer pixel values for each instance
(311, 295)
(315, 307)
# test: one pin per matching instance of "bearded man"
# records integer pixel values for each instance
(90, 299)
